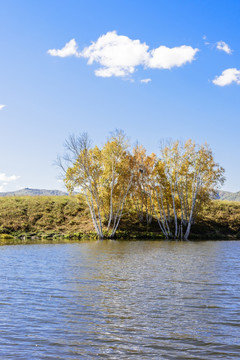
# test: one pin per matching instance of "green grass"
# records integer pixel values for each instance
(218, 220)
(54, 217)
(43, 215)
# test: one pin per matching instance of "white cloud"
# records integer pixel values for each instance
(4, 180)
(145, 81)
(119, 55)
(167, 58)
(114, 71)
(2, 106)
(4, 177)
(205, 40)
(221, 45)
(228, 77)
(70, 49)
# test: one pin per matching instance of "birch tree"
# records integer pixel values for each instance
(185, 178)
(102, 176)
(172, 188)
(143, 166)
(83, 175)
(117, 179)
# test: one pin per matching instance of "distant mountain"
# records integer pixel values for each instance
(33, 192)
(222, 195)
(229, 196)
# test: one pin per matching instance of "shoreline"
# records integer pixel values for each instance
(121, 236)
(65, 217)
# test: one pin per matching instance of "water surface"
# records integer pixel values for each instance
(120, 300)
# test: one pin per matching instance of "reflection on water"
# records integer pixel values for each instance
(120, 300)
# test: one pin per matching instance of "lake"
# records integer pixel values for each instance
(120, 300)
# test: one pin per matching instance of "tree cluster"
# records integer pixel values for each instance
(114, 179)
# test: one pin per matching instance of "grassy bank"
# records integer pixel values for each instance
(63, 216)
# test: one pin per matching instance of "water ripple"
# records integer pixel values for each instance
(120, 300)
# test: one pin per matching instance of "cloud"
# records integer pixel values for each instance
(2, 106)
(167, 58)
(222, 46)
(228, 77)
(70, 49)
(4, 177)
(2, 186)
(118, 55)
(205, 40)
(145, 81)
(4, 180)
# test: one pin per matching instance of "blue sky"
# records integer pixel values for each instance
(182, 47)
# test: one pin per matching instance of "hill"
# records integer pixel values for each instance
(67, 216)
(222, 195)
(229, 196)
(33, 192)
